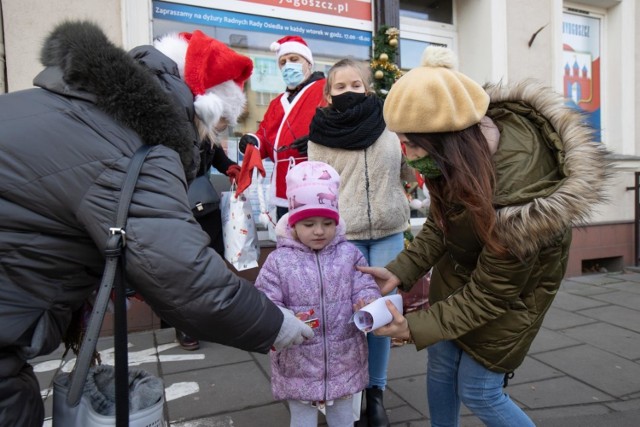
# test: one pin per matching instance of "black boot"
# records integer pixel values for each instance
(186, 342)
(376, 415)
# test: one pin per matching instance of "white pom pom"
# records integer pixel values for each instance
(274, 46)
(415, 204)
(436, 56)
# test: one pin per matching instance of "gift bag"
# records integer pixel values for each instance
(239, 233)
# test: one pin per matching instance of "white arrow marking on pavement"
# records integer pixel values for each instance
(150, 355)
(50, 365)
(178, 390)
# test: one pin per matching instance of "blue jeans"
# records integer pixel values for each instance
(379, 253)
(453, 377)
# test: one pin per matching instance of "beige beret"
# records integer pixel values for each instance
(434, 98)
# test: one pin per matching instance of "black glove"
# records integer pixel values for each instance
(247, 139)
(300, 144)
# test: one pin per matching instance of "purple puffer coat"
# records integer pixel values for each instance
(333, 363)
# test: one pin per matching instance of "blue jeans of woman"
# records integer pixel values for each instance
(453, 377)
(378, 253)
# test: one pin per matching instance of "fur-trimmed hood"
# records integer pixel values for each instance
(526, 227)
(141, 90)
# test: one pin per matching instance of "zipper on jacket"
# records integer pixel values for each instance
(324, 325)
(366, 189)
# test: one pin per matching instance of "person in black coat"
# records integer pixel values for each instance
(65, 146)
(212, 155)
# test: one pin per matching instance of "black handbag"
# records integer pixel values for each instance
(203, 197)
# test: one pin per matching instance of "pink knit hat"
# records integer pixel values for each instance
(312, 190)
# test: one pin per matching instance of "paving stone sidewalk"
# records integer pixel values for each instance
(583, 369)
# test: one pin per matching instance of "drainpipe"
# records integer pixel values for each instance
(3, 59)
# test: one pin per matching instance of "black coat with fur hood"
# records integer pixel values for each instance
(64, 150)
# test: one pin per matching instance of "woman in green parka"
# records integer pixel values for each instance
(510, 170)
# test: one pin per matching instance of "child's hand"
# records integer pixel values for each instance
(358, 305)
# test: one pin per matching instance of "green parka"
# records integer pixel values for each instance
(550, 174)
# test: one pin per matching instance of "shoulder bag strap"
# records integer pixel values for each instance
(115, 245)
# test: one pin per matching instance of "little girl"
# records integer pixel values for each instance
(351, 135)
(313, 271)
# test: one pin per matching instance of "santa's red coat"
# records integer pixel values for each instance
(283, 123)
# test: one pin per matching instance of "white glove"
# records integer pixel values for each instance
(293, 331)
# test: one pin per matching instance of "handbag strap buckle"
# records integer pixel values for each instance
(119, 230)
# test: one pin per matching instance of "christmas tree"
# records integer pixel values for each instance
(383, 67)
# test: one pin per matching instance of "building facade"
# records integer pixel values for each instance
(583, 49)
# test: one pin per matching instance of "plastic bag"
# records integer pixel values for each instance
(239, 233)
(417, 298)
(98, 402)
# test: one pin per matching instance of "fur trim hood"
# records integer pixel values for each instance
(143, 93)
(524, 228)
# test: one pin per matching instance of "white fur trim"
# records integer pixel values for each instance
(224, 100)
(210, 108)
(232, 98)
(295, 47)
(175, 47)
(436, 56)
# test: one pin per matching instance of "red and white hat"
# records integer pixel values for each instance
(214, 72)
(292, 44)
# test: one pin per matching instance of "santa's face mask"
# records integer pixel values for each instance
(292, 74)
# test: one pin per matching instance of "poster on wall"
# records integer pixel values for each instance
(218, 18)
(355, 9)
(581, 66)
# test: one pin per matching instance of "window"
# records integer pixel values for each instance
(424, 23)
(252, 35)
(428, 10)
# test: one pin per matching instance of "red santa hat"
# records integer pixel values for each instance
(292, 44)
(214, 73)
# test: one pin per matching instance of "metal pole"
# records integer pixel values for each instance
(637, 217)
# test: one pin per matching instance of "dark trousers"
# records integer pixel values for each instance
(20, 400)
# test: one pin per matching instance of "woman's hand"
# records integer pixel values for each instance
(398, 328)
(386, 280)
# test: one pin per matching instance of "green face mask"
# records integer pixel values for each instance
(426, 166)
